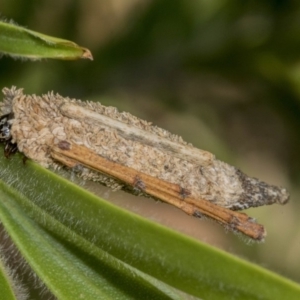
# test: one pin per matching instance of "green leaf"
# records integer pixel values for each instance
(67, 264)
(87, 233)
(6, 283)
(17, 41)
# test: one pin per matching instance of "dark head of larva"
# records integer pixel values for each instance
(5, 135)
(5, 127)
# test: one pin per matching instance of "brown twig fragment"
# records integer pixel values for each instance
(160, 189)
(192, 154)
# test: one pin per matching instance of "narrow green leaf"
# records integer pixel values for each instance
(70, 266)
(6, 284)
(17, 41)
(179, 261)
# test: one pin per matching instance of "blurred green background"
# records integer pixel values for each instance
(225, 75)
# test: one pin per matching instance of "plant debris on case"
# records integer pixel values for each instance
(125, 152)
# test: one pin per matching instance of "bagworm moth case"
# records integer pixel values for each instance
(43, 126)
